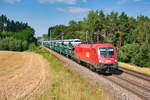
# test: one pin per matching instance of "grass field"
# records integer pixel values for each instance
(68, 85)
(135, 68)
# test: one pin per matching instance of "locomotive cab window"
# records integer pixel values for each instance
(107, 52)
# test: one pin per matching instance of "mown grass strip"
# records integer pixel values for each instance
(135, 68)
(68, 85)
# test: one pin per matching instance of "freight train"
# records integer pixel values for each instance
(99, 57)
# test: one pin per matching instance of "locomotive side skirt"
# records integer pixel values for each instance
(99, 66)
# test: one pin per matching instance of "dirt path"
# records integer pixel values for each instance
(22, 75)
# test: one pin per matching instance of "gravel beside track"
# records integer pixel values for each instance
(23, 75)
(134, 81)
(120, 85)
(133, 86)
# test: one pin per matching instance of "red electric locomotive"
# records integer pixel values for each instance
(99, 57)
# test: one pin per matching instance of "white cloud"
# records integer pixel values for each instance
(147, 3)
(61, 9)
(73, 9)
(77, 9)
(122, 1)
(84, 1)
(59, 1)
(108, 9)
(125, 1)
(62, 1)
(136, 0)
(11, 1)
(147, 11)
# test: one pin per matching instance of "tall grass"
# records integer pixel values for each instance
(143, 70)
(68, 85)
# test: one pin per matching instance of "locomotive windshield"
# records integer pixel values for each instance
(107, 52)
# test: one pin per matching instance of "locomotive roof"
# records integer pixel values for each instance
(96, 45)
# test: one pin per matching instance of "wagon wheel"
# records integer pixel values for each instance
(92, 68)
(78, 61)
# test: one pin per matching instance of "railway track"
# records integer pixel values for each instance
(142, 91)
(136, 74)
(134, 91)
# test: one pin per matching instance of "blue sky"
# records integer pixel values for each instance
(41, 14)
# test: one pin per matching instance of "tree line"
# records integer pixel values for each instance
(15, 35)
(130, 35)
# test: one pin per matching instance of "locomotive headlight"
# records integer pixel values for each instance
(100, 60)
(115, 60)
